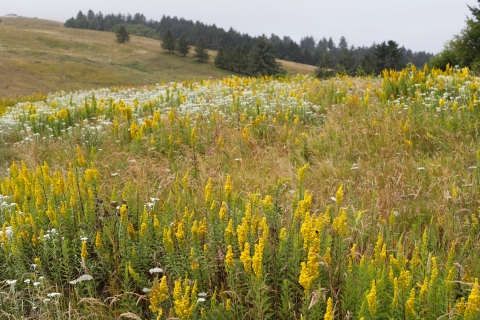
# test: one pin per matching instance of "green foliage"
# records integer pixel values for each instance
(262, 59)
(464, 49)
(168, 42)
(122, 35)
(182, 45)
(234, 59)
(201, 52)
(388, 56)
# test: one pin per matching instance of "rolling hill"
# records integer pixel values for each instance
(43, 56)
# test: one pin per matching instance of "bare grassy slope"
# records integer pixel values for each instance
(43, 56)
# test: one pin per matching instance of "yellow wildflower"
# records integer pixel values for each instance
(473, 306)
(228, 235)
(258, 258)
(339, 195)
(245, 258)
(84, 253)
(372, 299)
(208, 191)
(98, 240)
(410, 304)
(222, 214)
(229, 258)
(340, 222)
(228, 187)
(329, 311)
(158, 294)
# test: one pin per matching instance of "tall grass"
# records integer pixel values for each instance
(264, 198)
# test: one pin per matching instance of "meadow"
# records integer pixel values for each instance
(244, 198)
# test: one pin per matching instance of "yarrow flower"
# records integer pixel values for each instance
(155, 270)
(84, 277)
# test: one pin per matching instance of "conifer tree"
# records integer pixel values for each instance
(182, 45)
(168, 42)
(262, 59)
(122, 35)
(201, 52)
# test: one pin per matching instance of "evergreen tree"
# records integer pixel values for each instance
(182, 45)
(168, 41)
(122, 35)
(262, 59)
(325, 65)
(201, 52)
(220, 61)
(388, 56)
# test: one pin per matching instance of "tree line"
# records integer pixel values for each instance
(323, 53)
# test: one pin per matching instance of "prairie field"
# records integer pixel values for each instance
(244, 198)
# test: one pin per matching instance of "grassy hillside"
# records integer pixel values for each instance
(43, 56)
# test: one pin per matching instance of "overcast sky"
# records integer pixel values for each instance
(421, 25)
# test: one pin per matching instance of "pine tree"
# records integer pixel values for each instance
(182, 45)
(220, 59)
(122, 35)
(262, 59)
(201, 52)
(168, 42)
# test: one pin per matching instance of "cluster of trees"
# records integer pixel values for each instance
(260, 60)
(170, 44)
(464, 49)
(325, 52)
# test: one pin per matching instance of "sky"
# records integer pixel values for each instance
(419, 25)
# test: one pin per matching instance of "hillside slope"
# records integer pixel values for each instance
(43, 56)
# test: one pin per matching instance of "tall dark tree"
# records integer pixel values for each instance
(201, 52)
(122, 35)
(262, 59)
(90, 15)
(388, 56)
(182, 45)
(168, 42)
(326, 65)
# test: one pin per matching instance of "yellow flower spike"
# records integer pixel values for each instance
(220, 141)
(372, 299)
(222, 214)
(228, 235)
(301, 173)
(245, 258)
(229, 258)
(473, 305)
(156, 223)
(208, 191)
(339, 195)
(327, 256)
(98, 240)
(228, 187)
(131, 231)
(410, 304)
(395, 294)
(228, 304)
(194, 264)
(158, 294)
(84, 253)
(340, 222)
(143, 229)
(329, 311)
(258, 258)
(434, 272)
